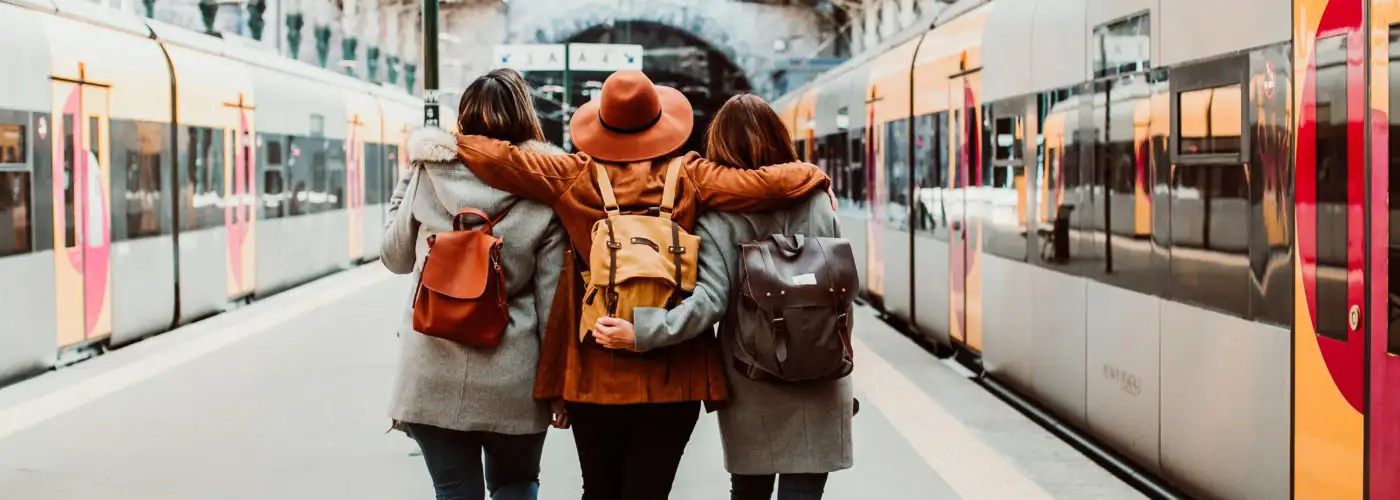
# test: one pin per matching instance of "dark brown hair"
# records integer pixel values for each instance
(498, 105)
(747, 133)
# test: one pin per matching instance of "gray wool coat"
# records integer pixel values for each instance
(449, 385)
(767, 427)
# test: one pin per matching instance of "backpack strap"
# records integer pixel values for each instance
(668, 204)
(668, 195)
(605, 186)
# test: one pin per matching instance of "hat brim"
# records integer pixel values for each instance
(669, 133)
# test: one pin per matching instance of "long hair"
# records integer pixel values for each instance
(746, 133)
(498, 105)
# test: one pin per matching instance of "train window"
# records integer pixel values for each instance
(1331, 115)
(144, 152)
(1210, 237)
(335, 176)
(374, 175)
(70, 185)
(928, 191)
(896, 155)
(1123, 46)
(12, 143)
(297, 176)
(1209, 121)
(16, 233)
(1006, 142)
(274, 151)
(1393, 198)
(318, 125)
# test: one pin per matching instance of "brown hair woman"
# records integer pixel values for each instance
(632, 405)
(791, 435)
(458, 401)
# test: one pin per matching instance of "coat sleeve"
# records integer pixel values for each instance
(741, 190)
(399, 248)
(549, 259)
(697, 314)
(542, 177)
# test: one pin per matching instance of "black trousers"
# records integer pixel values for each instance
(631, 452)
(790, 486)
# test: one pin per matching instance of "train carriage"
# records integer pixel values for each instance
(151, 176)
(1165, 222)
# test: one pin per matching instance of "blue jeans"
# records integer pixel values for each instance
(790, 486)
(512, 469)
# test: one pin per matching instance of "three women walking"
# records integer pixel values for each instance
(632, 395)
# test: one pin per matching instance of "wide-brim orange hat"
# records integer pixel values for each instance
(633, 120)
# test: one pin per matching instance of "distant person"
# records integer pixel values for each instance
(632, 407)
(793, 434)
(457, 401)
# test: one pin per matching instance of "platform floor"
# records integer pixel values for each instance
(285, 399)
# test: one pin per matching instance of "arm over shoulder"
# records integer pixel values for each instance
(697, 314)
(540, 176)
(740, 190)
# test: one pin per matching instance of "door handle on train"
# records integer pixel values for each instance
(1354, 317)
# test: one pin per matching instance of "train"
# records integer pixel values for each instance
(1165, 223)
(151, 176)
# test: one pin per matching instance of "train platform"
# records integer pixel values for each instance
(286, 399)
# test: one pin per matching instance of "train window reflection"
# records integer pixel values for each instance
(1209, 121)
(16, 234)
(1123, 46)
(143, 178)
(12, 143)
(1331, 115)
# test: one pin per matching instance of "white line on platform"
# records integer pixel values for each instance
(974, 470)
(50, 405)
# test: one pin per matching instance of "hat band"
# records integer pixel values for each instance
(634, 130)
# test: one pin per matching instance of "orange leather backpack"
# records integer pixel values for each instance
(462, 289)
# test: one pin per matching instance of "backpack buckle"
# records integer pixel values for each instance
(778, 323)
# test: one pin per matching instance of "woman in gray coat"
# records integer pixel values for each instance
(458, 401)
(796, 432)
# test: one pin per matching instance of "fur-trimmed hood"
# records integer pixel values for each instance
(435, 145)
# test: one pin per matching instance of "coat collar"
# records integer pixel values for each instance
(435, 145)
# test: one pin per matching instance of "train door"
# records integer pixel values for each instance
(81, 191)
(354, 186)
(1383, 411)
(240, 148)
(964, 149)
(1328, 362)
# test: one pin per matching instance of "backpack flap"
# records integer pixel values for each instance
(782, 275)
(459, 264)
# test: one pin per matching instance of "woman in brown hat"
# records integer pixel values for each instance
(632, 412)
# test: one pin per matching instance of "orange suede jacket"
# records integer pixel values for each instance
(588, 373)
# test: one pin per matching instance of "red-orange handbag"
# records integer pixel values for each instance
(462, 289)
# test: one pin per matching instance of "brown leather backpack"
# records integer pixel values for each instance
(793, 321)
(637, 260)
(462, 289)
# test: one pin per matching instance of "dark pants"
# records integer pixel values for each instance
(454, 462)
(790, 486)
(631, 452)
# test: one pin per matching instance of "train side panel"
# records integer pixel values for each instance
(27, 343)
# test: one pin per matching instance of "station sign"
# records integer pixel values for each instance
(582, 57)
(604, 56)
(529, 57)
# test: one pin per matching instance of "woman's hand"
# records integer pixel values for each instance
(615, 333)
(560, 414)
